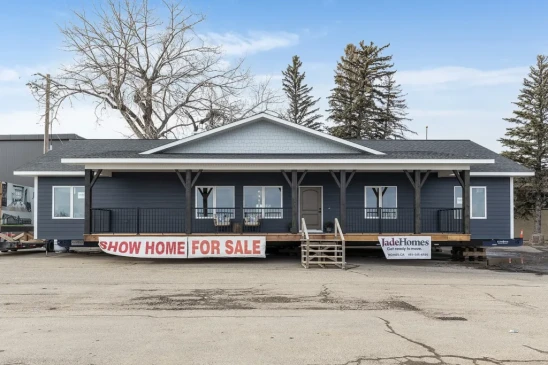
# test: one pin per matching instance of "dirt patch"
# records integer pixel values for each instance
(451, 318)
(273, 299)
(247, 299)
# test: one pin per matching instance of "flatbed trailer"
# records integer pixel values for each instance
(20, 241)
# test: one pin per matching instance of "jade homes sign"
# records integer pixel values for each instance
(406, 247)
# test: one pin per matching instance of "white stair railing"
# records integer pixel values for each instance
(306, 239)
(339, 232)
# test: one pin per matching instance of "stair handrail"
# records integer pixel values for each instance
(338, 230)
(307, 243)
(304, 231)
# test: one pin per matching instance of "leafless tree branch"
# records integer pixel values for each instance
(158, 74)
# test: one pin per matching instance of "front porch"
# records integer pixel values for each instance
(318, 196)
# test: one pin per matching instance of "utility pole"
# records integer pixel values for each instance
(426, 132)
(46, 116)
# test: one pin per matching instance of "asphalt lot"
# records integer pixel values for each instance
(99, 309)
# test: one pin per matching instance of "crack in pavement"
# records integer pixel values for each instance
(435, 355)
(519, 305)
(359, 273)
(537, 350)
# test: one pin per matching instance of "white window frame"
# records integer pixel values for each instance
(214, 207)
(280, 215)
(71, 201)
(457, 213)
(388, 216)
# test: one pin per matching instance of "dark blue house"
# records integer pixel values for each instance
(262, 175)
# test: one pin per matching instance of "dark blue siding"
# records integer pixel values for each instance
(49, 228)
(164, 190)
(439, 192)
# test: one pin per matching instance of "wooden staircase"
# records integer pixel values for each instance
(323, 252)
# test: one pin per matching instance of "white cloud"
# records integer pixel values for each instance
(8, 74)
(462, 75)
(235, 44)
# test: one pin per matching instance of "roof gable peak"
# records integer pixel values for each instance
(269, 118)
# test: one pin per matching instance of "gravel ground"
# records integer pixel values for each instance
(91, 308)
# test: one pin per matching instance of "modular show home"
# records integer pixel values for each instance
(266, 177)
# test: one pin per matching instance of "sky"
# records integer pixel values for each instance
(461, 63)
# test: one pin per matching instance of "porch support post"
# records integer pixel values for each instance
(466, 201)
(417, 201)
(294, 202)
(343, 186)
(88, 178)
(463, 178)
(188, 200)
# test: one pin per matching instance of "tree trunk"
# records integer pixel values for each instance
(538, 214)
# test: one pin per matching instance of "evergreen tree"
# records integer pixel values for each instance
(391, 124)
(301, 103)
(362, 96)
(527, 141)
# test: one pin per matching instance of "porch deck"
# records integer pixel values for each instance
(292, 237)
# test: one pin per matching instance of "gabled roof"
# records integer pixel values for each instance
(404, 150)
(463, 148)
(256, 118)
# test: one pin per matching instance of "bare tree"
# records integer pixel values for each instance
(158, 74)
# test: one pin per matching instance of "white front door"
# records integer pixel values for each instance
(311, 206)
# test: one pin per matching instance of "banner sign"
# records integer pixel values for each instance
(184, 247)
(142, 246)
(406, 247)
(219, 246)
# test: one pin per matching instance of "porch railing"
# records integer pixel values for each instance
(401, 220)
(138, 220)
(204, 220)
(267, 220)
(241, 220)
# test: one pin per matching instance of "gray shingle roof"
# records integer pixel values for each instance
(38, 137)
(393, 149)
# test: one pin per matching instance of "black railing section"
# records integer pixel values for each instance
(208, 220)
(402, 220)
(138, 220)
(268, 220)
(450, 220)
(241, 220)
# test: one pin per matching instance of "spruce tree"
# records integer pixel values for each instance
(362, 97)
(527, 142)
(391, 124)
(301, 104)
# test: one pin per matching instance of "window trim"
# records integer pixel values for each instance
(71, 187)
(281, 215)
(380, 201)
(471, 187)
(214, 192)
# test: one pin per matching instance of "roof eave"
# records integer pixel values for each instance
(49, 173)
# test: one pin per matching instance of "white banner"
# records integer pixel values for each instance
(142, 246)
(184, 247)
(406, 247)
(226, 246)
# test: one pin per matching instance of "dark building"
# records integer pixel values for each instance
(19, 149)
